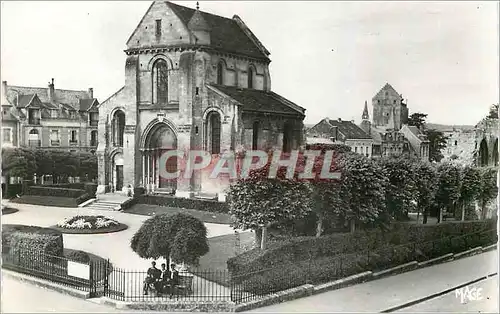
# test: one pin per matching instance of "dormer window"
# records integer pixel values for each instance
(158, 28)
(53, 113)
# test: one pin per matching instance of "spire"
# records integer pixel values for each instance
(365, 115)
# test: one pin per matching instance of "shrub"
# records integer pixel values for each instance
(91, 189)
(199, 204)
(311, 248)
(77, 186)
(11, 190)
(51, 191)
(49, 200)
(78, 256)
(296, 261)
(18, 239)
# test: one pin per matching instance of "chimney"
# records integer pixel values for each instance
(91, 93)
(51, 91)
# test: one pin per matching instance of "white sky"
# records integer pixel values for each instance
(328, 57)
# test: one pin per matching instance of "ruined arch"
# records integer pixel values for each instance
(483, 153)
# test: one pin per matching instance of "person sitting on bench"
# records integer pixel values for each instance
(165, 279)
(151, 278)
(174, 277)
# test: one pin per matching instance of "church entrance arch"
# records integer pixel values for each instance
(116, 170)
(159, 140)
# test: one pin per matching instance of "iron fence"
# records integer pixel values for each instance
(90, 277)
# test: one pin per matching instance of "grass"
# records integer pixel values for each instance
(213, 265)
(151, 210)
(8, 210)
(46, 201)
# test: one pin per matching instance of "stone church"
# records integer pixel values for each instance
(193, 80)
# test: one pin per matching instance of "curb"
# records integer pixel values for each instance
(171, 306)
(396, 270)
(46, 284)
(435, 295)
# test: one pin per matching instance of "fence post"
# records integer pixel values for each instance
(106, 277)
(91, 278)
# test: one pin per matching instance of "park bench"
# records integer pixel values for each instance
(448, 215)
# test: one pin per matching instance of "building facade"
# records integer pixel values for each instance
(49, 118)
(339, 131)
(193, 80)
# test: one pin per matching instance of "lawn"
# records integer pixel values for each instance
(214, 263)
(151, 210)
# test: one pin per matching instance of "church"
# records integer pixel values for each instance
(193, 81)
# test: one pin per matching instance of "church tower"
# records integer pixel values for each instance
(365, 123)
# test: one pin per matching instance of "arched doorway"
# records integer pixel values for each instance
(495, 152)
(160, 139)
(117, 171)
(483, 153)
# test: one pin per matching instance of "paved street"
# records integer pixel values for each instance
(450, 302)
(380, 295)
(20, 297)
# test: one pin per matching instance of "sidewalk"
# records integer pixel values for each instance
(382, 294)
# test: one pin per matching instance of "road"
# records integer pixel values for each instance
(22, 297)
(383, 294)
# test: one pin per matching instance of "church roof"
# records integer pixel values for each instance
(198, 23)
(349, 129)
(225, 33)
(259, 100)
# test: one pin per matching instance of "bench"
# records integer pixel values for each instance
(448, 215)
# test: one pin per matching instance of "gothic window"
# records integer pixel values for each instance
(160, 82)
(93, 138)
(255, 135)
(220, 73)
(213, 132)
(250, 78)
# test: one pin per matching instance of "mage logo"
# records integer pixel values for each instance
(469, 294)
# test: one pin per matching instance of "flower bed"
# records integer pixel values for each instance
(89, 225)
(8, 210)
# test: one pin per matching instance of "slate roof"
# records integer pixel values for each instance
(259, 100)
(225, 33)
(349, 129)
(86, 104)
(25, 100)
(65, 97)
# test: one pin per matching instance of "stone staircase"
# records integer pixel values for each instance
(110, 202)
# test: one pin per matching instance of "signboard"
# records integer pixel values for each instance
(79, 270)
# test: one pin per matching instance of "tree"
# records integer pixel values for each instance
(471, 187)
(362, 190)
(417, 119)
(493, 114)
(488, 188)
(426, 178)
(180, 237)
(438, 142)
(401, 188)
(449, 188)
(258, 202)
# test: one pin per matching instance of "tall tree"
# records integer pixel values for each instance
(471, 187)
(426, 183)
(493, 114)
(417, 119)
(438, 142)
(449, 188)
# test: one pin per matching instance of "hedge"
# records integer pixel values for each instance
(305, 248)
(320, 269)
(52, 191)
(77, 186)
(33, 238)
(78, 256)
(11, 190)
(188, 203)
(50, 200)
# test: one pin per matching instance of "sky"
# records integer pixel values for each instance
(327, 56)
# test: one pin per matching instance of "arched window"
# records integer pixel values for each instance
(255, 135)
(287, 137)
(456, 143)
(220, 73)
(93, 138)
(34, 138)
(212, 132)
(160, 82)
(118, 126)
(250, 78)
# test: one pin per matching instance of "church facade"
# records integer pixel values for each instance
(193, 81)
